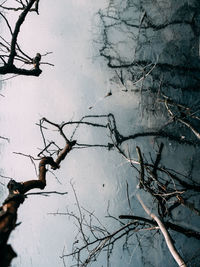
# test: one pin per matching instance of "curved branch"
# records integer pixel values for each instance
(165, 233)
(17, 191)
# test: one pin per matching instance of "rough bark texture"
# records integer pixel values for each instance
(16, 196)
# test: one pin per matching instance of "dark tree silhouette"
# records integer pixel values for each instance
(152, 48)
(17, 194)
(12, 57)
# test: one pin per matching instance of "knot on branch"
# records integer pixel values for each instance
(110, 146)
(16, 192)
(72, 143)
(36, 60)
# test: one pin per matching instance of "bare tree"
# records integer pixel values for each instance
(17, 194)
(13, 58)
(155, 72)
(151, 47)
(94, 237)
(168, 189)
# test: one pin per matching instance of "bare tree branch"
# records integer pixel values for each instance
(13, 52)
(165, 233)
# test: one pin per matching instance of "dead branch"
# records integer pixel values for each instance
(180, 229)
(141, 167)
(13, 52)
(63, 153)
(17, 194)
(22, 7)
(46, 193)
(186, 123)
(5, 138)
(165, 233)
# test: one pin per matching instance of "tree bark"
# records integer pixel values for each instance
(8, 211)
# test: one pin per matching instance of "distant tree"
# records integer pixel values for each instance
(152, 47)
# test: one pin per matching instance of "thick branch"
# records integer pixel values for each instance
(6, 69)
(8, 211)
(63, 153)
(17, 30)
